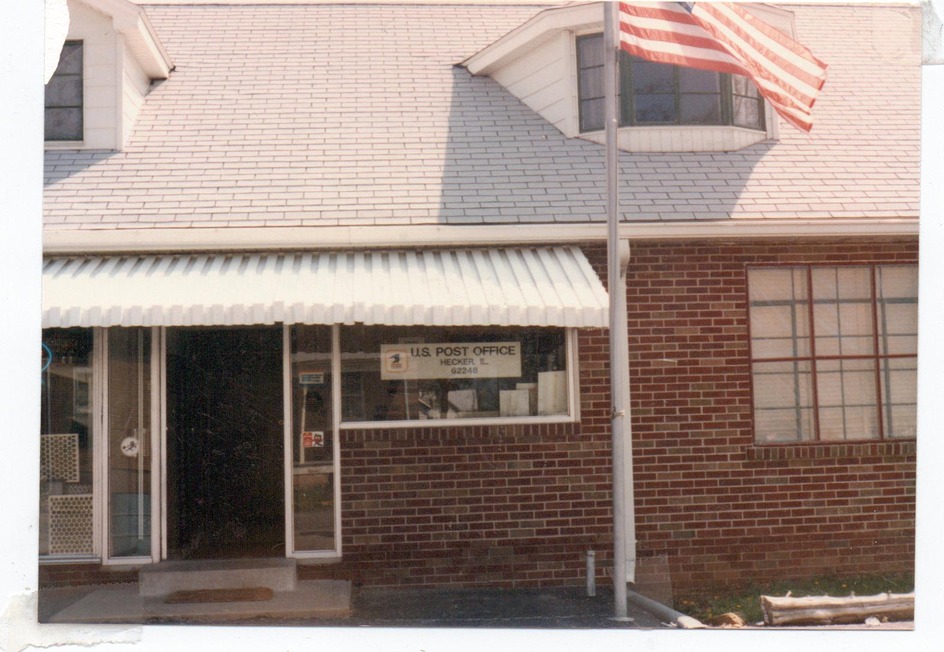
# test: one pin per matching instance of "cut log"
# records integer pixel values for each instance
(825, 610)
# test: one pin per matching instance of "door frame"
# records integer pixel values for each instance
(289, 429)
(162, 453)
(101, 444)
(160, 476)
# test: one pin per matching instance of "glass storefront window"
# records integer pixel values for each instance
(421, 374)
(66, 526)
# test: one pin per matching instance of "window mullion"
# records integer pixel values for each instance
(794, 332)
(845, 411)
(627, 96)
(678, 95)
(814, 370)
(877, 351)
(841, 358)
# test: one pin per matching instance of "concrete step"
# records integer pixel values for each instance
(171, 576)
(310, 600)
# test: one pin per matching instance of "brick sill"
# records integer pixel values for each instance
(831, 450)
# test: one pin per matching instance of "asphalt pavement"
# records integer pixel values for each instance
(555, 608)
(528, 608)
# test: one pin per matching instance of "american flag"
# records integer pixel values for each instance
(723, 37)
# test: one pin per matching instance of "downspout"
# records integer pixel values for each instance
(621, 335)
(664, 613)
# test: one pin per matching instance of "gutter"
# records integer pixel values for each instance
(172, 239)
(664, 613)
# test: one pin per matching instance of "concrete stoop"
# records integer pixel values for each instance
(146, 601)
(171, 576)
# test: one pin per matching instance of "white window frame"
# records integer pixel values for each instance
(573, 411)
(157, 439)
(666, 138)
(288, 448)
(95, 431)
(74, 143)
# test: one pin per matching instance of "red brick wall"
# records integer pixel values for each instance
(720, 508)
(515, 506)
(83, 574)
(504, 506)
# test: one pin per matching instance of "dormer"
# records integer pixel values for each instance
(553, 64)
(110, 58)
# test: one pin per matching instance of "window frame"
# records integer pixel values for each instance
(91, 369)
(573, 408)
(876, 356)
(80, 137)
(627, 107)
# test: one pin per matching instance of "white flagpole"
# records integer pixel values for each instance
(616, 283)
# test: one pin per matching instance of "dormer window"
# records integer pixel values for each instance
(662, 94)
(64, 96)
(107, 66)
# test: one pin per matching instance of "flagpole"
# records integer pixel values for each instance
(618, 340)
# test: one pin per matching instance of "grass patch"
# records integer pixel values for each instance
(745, 600)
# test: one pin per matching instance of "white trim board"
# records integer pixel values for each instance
(353, 237)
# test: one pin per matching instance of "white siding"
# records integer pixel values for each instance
(684, 139)
(134, 86)
(115, 84)
(540, 79)
(100, 114)
(544, 78)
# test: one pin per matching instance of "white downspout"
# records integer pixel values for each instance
(629, 503)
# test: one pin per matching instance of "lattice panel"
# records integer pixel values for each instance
(70, 525)
(59, 457)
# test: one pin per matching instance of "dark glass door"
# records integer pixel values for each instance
(225, 492)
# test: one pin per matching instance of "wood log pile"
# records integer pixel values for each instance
(825, 610)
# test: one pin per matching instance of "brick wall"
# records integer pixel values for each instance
(83, 574)
(514, 506)
(721, 509)
(504, 506)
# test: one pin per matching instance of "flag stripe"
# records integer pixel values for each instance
(663, 16)
(791, 97)
(679, 55)
(651, 24)
(726, 38)
(655, 34)
(667, 28)
(795, 53)
(769, 63)
(676, 54)
(672, 53)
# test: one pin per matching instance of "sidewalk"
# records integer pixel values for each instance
(550, 608)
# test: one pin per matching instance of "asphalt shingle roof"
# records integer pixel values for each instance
(312, 115)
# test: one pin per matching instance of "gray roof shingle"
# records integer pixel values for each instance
(315, 115)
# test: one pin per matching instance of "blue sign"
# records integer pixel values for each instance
(47, 357)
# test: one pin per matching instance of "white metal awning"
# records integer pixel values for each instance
(536, 286)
